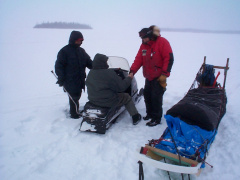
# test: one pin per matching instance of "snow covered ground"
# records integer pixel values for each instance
(38, 141)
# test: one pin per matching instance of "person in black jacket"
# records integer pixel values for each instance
(70, 67)
(106, 89)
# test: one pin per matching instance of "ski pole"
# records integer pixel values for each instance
(67, 94)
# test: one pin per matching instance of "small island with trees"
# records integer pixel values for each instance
(62, 25)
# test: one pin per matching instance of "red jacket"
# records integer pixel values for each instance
(156, 57)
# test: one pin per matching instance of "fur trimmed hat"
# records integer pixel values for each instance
(145, 32)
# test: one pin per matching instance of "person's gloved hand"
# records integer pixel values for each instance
(162, 81)
(60, 83)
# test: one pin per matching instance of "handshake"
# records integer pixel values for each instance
(130, 75)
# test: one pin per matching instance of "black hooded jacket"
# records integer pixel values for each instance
(103, 84)
(71, 64)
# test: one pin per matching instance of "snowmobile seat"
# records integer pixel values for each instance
(100, 111)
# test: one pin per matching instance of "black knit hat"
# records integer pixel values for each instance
(145, 32)
(75, 35)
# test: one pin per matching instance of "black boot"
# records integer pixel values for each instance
(75, 116)
(147, 117)
(153, 122)
(136, 118)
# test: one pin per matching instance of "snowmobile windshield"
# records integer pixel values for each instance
(118, 62)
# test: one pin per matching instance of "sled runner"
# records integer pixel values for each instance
(192, 126)
(99, 119)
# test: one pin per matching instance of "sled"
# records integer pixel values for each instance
(157, 158)
(194, 116)
(99, 119)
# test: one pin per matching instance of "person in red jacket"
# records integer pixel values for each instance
(156, 57)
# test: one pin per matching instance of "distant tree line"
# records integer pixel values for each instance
(62, 25)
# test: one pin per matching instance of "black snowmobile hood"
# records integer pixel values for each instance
(75, 35)
(100, 61)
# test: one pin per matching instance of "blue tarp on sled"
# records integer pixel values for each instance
(191, 141)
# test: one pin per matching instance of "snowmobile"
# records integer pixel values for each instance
(192, 126)
(99, 119)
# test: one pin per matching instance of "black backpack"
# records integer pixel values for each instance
(208, 77)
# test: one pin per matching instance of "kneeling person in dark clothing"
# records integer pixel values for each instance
(104, 87)
(70, 66)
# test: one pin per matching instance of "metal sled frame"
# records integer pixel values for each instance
(202, 69)
(157, 157)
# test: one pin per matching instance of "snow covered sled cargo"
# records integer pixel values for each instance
(99, 119)
(192, 125)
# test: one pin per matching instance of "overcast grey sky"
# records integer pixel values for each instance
(135, 14)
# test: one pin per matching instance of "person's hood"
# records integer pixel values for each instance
(75, 35)
(100, 61)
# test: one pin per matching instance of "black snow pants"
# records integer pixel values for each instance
(75, 96)
(153, 96)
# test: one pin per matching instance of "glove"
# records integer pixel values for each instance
(162, 81)
(60, 83)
